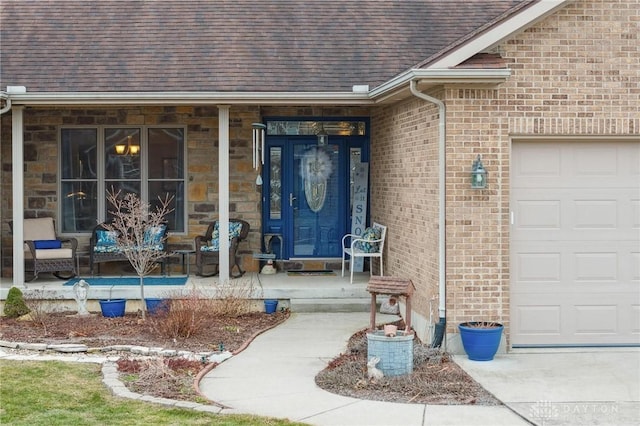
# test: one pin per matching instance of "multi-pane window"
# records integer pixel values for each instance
(148, 161)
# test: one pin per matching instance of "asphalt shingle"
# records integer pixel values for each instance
(240, 45)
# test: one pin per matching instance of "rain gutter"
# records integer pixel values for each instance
(436, 77)
(7, 106)
(190, 98)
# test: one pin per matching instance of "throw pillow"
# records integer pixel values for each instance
(106, 238)
(47, 244)
(369, 234)
(153, 236)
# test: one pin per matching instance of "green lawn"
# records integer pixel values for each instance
(59, 393)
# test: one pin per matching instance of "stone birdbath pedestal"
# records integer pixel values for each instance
(394, 348)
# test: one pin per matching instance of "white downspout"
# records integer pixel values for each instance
(441, 196)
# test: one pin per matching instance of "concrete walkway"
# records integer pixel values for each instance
(274, 376)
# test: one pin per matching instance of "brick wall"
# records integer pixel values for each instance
(404, 193)
(576, 73)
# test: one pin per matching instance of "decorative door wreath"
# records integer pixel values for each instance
(317, 169)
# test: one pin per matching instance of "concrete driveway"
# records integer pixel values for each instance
(587, 386)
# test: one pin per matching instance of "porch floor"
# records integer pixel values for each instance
(307, 293)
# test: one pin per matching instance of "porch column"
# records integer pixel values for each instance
(17, 174)
(223, 191)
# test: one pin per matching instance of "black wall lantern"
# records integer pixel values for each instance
(323, 137)
(478, 174)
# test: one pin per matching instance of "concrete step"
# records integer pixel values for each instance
(330, 305)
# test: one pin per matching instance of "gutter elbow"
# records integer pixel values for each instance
(7, 105)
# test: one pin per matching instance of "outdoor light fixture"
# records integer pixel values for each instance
(323, 137)
(128, 149)
(478, 174)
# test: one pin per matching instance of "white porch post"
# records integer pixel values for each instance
(17, 174)
(223, 191)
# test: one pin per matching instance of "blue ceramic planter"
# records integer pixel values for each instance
(157, 306)
(113, 307)
(270, 306)
(480, 343)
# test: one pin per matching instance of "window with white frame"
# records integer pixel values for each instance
(148, 161)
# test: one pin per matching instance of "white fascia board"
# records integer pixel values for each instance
(433, 76)
(495, 35)
(443, 76)
(189, 98)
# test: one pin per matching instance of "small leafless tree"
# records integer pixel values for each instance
(133, 222)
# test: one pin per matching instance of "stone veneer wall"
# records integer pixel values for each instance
(574, 74)
(41, 136)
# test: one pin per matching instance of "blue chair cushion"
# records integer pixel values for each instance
(106, 249)
(369, 234)
(47, 244)
(214, 245)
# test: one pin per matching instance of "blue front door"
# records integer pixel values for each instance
(306, 193)
(316, 213)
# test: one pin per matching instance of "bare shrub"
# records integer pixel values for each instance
(39, 309)
(233, 299)
(186, 316)
(134, 222)
(171, 378)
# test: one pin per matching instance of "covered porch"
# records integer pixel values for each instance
(300, 293)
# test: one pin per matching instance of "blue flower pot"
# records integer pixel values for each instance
(270, 306)
(113, 307)
(157, 306)
(480, 342)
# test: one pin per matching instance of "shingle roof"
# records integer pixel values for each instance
(239, 45)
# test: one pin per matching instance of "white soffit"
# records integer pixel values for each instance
(495, 35)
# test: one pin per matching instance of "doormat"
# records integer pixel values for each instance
(297, 273)
(110, 281)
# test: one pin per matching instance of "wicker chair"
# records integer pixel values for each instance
(101, 251)
(207, 252)
(44, 251)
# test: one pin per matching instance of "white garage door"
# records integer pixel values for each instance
(575, 243)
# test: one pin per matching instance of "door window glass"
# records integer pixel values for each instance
(78, 179)
(275, 183)
(335, 128)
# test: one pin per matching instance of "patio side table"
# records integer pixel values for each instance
(186, 261)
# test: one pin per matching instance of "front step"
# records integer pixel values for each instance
(330, 305)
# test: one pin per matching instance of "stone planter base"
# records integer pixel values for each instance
(395, 353)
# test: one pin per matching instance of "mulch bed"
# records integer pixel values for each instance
(436, 379)
(98, 331)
